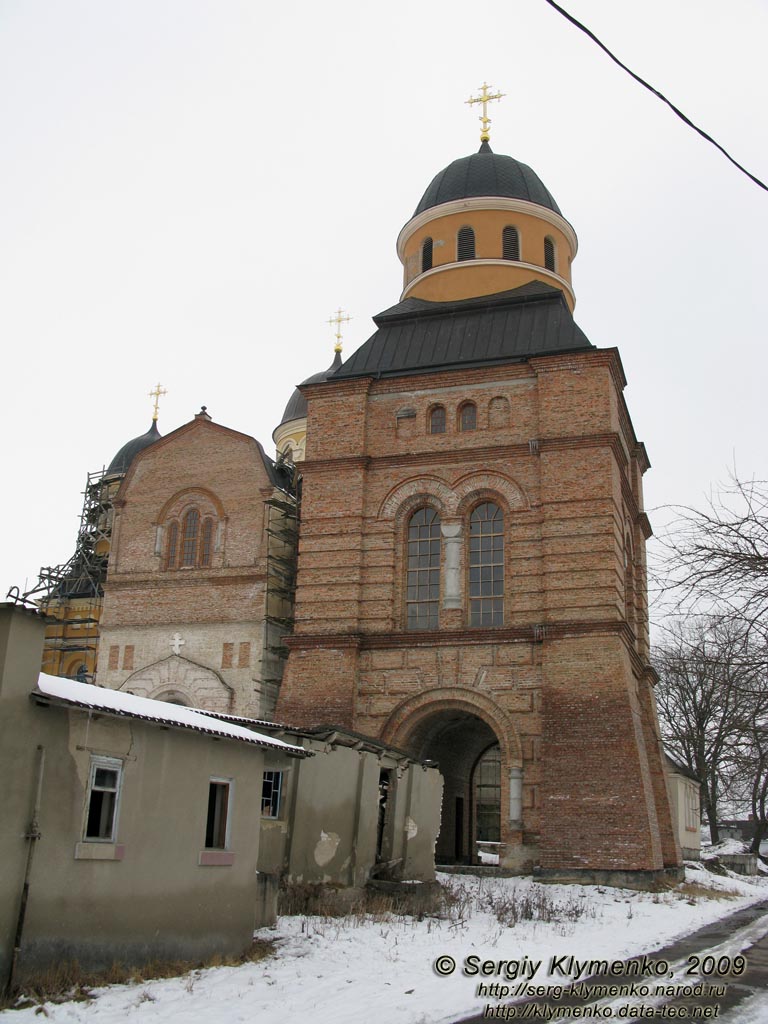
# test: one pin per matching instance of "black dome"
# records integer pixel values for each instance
(486, 173)
(131, 449)
(297, 405)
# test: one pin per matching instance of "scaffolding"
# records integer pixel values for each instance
(84, 574)
(282, 552)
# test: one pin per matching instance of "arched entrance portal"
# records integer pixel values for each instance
(467, 752)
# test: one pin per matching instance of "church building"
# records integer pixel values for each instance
(469, 585)
(472, 574)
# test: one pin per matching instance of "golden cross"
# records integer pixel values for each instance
(159, 390)
(338, 320)
(485, 98)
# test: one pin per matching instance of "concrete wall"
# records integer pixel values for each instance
(328, 826)
(147, 895)
(685, 798)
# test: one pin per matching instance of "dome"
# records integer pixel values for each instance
(129, 451)
(297, 405)
(486, 173)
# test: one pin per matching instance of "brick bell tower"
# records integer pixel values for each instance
(472, 573)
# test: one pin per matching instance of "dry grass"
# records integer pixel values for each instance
(370, 904)
(693, 891)
(68, 981)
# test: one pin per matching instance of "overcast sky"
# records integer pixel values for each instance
(190, 188)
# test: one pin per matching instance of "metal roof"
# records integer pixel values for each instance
(417, 336)
(486, 173)
(131, 449)
(297, 403)
(107, 701)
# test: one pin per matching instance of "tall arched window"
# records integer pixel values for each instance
(465, 244)
(426, 255)
(468, 416)
(206, 543)
(189, 531)
(549, 254)
(422, 598)
(189, 528)
(172, 546)
(510, 244)
(486, 566)
(486, 786)
(437, 420)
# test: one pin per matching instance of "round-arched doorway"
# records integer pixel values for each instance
(467, 752)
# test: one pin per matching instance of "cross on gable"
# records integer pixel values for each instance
(177, 643)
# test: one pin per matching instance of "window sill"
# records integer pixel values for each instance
(99, 851)
(216, 858)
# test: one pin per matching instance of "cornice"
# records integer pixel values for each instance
(490, 452)
(538, 633)
(182, 578)
(485, 203)
(541, 272)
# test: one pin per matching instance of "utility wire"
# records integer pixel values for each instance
(656, 92)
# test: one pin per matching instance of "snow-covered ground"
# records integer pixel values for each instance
(338, 970)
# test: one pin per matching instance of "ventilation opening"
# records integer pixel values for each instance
(510, 244)
(426, 255)
(549, 254)
(466, 244)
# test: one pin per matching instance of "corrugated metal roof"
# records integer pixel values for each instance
(116, 702)
(417, 335)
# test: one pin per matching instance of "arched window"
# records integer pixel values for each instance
(423, 575)
(465, 246)
(486, 785)
(426, 255)
(172, 546)
(486, 566)
(437, 420)
(510, 244)
(468, 416)
(206, 544)
(549, 254)
(189, 530)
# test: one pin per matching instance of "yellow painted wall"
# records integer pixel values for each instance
(488, 226)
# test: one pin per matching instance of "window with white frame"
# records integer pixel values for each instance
(103, 799)
(271, 792)
(217, 821)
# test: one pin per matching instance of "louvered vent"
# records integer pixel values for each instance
(510, 244)
(549, 254)
(426, 255)
(466, 244)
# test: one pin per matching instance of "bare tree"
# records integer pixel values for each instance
(708, 696)
(718, 557)
(751, 773)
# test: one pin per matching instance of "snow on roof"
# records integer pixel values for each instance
(100, 698)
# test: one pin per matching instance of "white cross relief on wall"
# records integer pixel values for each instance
(177, 643)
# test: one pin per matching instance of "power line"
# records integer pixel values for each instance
(656, 93)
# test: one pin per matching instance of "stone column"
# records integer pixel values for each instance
(451, 588)
(515, 797)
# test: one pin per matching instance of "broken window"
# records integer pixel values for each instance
(216, 827)
(103, 792)
(271, 789)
